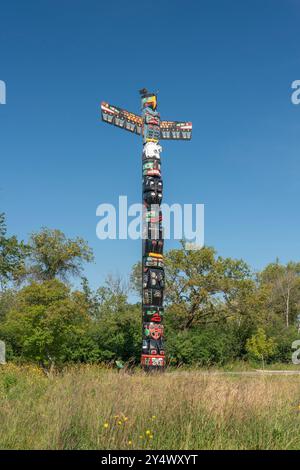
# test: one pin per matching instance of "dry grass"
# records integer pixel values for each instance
(89, 407)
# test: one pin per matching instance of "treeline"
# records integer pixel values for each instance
(217, 309)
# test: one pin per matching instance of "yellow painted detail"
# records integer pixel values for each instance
(156, 255)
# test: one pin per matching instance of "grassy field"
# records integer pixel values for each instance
(89, 407)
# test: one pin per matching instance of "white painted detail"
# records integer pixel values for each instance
(152, 150)
(2, 352)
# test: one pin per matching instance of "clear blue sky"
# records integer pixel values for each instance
(225, 65)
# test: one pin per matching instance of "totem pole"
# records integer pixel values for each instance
(152, 129)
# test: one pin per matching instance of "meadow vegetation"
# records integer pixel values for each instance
(93, 407)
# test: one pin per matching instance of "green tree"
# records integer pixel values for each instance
(110, 297)
(113, 295)
(116, 325)
(53, 255)
(260, 346)
(283, 282)
(7, 301)
(48, 324)
(201, 287)
(210, 345)
(118, 334)
(12, 256)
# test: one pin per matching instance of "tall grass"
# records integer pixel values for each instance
(89, 407)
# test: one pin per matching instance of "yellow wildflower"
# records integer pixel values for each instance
(105, 425)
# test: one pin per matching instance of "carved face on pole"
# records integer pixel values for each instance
(154, 330)
(149, 101)
(152, 150)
